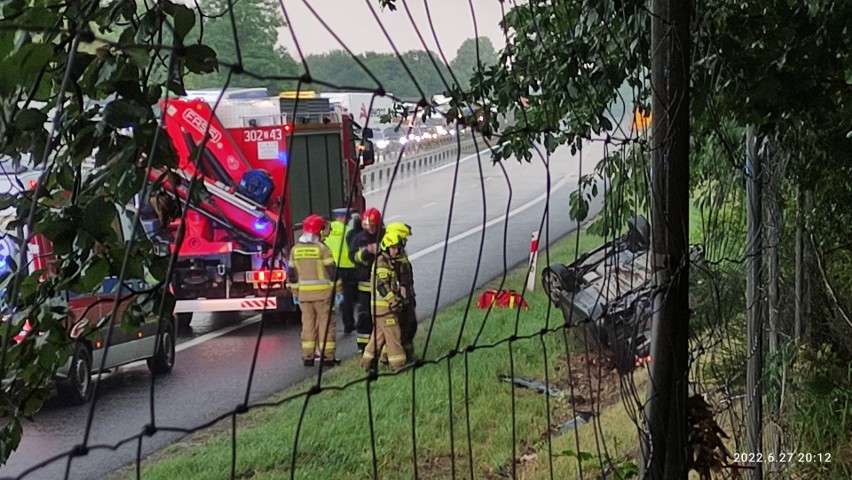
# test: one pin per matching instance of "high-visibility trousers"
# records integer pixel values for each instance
(386, 335)
(318, 332)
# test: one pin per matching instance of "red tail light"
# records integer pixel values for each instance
(266, 276)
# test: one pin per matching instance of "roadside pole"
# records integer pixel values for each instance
(665, 450)
(533, 262)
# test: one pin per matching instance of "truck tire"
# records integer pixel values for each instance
(183, 320)
(164, 355)
(77, 388)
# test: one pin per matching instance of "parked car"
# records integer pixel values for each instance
(89, 318)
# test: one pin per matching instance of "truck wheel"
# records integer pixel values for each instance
(77, 388)
(183, 320)
(164, 355)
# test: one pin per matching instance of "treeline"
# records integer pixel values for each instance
(427, 73)
(270, 65)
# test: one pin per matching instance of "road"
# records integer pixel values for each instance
(214, 359)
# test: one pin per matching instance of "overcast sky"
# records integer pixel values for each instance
(354, 23)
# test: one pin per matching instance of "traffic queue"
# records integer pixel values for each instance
(361, 264)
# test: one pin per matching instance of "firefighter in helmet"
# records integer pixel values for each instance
(387, 303)
(405, 275)
(312, 274)
(363, 248)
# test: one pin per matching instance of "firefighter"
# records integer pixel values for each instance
(336, 241)
(312, 282)
(405, 275)
(362, 251)
(387, 303)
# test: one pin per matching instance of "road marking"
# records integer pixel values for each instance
(203, 338)
(428, 204)
(490, 223)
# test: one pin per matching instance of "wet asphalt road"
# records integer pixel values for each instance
(214, 358)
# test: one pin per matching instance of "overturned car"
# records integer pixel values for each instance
(606, 295)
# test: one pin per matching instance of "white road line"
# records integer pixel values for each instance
(492, 222)
(427, 205)
(202, 338)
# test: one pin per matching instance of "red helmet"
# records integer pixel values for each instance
(313, 224)
(371, 217)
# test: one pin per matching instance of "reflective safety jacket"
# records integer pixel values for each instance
(385, 296)
(362, 258)
(312, 272)
(337, 244)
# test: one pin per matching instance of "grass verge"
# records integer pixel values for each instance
(463, 413)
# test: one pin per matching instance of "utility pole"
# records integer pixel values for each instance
(665, 449)
(754, 302)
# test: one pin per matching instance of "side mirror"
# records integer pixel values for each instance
(367, 133)
(368, 154)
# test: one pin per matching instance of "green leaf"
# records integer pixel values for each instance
(184, 21)
(94, 273)
(98, 217)
(138, 57)
(201, 59)
(30, 119)
(124, 113)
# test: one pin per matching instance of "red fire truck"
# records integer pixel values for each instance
(262, 174)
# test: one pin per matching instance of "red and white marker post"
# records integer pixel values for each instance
(533, 262)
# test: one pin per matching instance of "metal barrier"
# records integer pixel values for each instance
(413, 163)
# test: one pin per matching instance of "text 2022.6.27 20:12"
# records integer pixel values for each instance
(783, 457)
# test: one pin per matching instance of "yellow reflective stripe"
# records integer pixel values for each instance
(300, 253)
(390, 321)
(379, 303)
(328, 345)
(316, 282)
(309, 344)
(368, 356)
(396, 358)
(364, 287)
(328, 261)
(362, 339)
(316, 288)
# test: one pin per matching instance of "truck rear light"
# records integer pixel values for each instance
(266, 276)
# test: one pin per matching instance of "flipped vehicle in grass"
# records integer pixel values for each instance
(606, 294)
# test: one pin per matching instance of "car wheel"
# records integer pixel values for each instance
(552, 279)
(184, 320)
(77, 388)
(164, 355)
(638, 233)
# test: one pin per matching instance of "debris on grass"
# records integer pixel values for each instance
(531, 384)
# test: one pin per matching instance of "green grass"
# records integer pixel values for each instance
(335, 439)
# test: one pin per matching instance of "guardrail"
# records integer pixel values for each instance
(415, 160)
